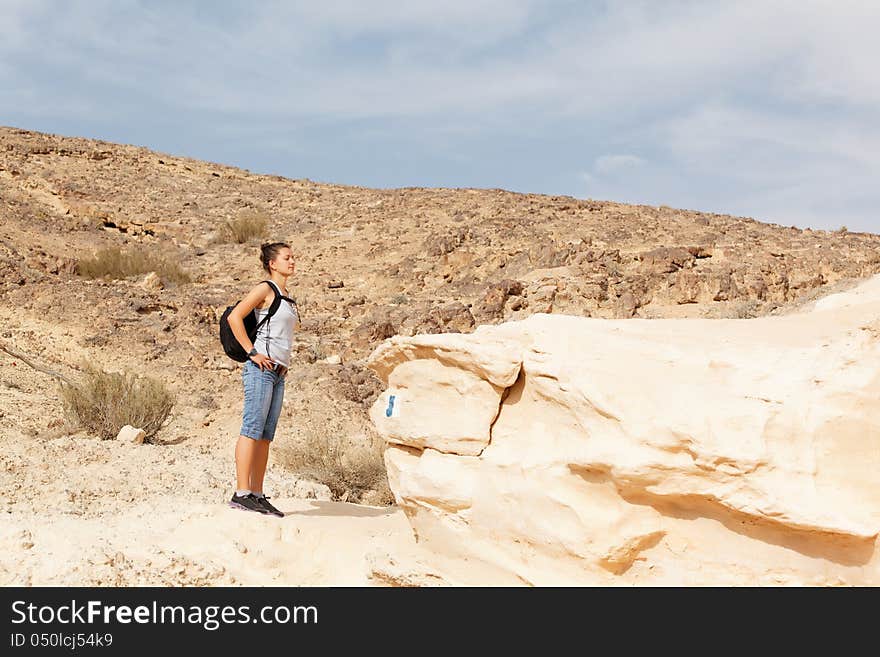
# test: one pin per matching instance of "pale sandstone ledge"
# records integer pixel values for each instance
(565, 450)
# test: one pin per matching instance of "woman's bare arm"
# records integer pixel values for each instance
(256, 297)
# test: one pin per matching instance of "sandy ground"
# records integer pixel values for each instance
(176, 542)
(76, 510)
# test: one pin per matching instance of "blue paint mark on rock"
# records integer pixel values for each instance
(390, 408)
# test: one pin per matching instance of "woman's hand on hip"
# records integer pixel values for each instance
(263, 361)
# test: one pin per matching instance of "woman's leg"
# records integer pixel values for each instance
(258, 393)
(258, 465)
(261, 456)
(245, 451)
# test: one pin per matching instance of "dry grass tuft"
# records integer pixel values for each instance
(247, 226)
(104, 402)
(354, 472)
(746, 309)
(113, 262)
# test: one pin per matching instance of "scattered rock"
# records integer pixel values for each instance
(152, 282)
(130, 434)
(666, 260)
(626, 305)
(546, 256)
(491, 306)
(541, 300)
(438, 245)
(359, 384)
(453, 317)
(372, 331)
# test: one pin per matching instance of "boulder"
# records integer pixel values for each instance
(371, 331)
(453, 317)
(438, 245)
(130, 434)
(666, 260)
(152, 282)
(561, 450)
(491, 305)
(439, 392)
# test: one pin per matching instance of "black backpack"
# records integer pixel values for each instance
(230, 343)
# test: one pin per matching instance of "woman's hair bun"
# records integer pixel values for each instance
(268, 251)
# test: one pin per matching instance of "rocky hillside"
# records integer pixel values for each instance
(371, 264)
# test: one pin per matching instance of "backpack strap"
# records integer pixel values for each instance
(273, 307)
(276, 302)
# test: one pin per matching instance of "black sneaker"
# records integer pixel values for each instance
(248, 502)
(271, 510)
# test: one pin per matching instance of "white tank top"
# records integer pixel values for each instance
(275, 337)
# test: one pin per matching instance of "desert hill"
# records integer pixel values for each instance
(370, 264)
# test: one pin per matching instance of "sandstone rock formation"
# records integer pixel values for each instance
(560, 450)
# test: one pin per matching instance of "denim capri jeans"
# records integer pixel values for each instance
(263, 394)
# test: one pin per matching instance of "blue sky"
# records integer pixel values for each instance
(761, 108)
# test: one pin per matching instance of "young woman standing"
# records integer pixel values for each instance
(263, 375)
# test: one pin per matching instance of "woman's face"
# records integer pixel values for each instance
(283, 262)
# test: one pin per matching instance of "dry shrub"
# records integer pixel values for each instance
(746, 309)
(247, 226)
(104, 402)
(113, 262)
(354, 472)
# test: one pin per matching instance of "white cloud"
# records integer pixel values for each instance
(474, 23)
(779, 97)
(392, 58)
(611, 164)
(285, 57)
(13, 18)
(703, 136)
(587, 177)
(807, 170)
